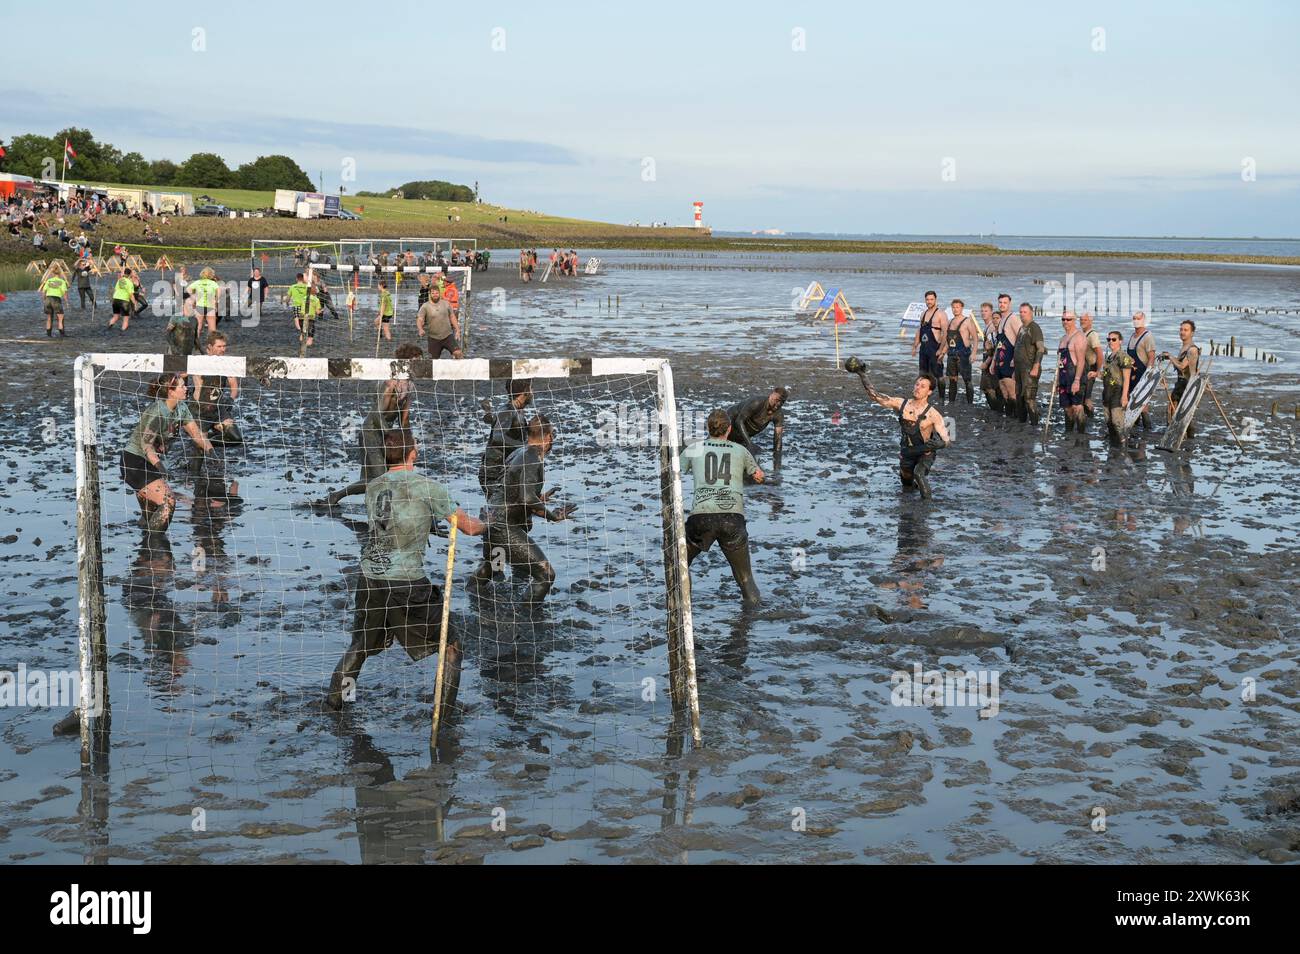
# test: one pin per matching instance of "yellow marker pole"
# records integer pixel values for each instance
(442, 636)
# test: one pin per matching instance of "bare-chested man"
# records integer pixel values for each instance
(1187, 364)
(1092, 364)
(961, 340)
(1142, 349)
(1004, 357)
(1071, 355)
(932, 338)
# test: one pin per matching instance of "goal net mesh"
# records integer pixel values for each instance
(233, 619)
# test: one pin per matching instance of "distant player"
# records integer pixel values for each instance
(988, 376)
(1187, 364)
(1072, 354)
(931, 340)
(55, 290)
(214, 398)
(1028, 363)
(1142, 349)
(509, 433)
(205, 291)
(515, 502)
(384, 320)
(123, 295)
(305, 323)
(392, 410)
(961, 342)
(394, 598)
(750, 418)
(720, 467)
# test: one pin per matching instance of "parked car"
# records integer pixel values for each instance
(214, 209)
(347, 216)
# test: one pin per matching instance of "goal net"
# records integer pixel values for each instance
(355, 294)
(232, 618)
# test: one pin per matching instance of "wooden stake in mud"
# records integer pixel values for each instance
(1051, 397)
(442, 636)
(1224, 415)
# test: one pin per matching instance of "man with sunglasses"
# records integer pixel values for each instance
(1116, 380)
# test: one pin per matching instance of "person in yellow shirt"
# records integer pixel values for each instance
(205, 292)
(55, 289)
(123, 293)
(305, 322)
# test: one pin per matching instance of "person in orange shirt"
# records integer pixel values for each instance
(447, 288)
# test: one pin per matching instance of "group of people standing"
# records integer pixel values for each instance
(1012, 350)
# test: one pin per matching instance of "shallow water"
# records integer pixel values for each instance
(1120, 689)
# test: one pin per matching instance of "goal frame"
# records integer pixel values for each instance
(92, 644)
(468, 273)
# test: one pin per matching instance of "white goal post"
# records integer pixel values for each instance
(100, 424)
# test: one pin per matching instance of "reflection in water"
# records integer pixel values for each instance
(395, 822)
(914, 555)
(147, 595)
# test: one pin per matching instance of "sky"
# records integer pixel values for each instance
(1137, 118)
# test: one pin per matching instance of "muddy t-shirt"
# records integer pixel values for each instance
(1112, 378)
(402, 506)
(719, 467)
(1029, 346)
(157, 426)
(436, 316)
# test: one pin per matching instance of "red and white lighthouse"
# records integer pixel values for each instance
(699, 214)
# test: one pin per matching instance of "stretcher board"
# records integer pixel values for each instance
(1176, 432)
(1141, 395)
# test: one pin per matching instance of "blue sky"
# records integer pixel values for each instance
(853, 133)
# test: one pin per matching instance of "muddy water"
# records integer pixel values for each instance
(1120, 689)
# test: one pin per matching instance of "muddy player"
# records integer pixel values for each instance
(123, 297)
(437, 319)
(322, 290)
(384, 319)
(961, 342)
(395, 599)
(182, 334)
(1096, 357)
(84, 288)
(720, 467)
(988, 376)
(205, 291)
(1028, 364)
(142, 464)
(392, 410)
(214, 398)
(931, 339)
(1004, 356)
(55, 290)
(305, 322)
(515, 501)
(1116, 381)
(1187, 363)
(921, 429)
(1142, 349)
(750, 418)
(509, 433)
(1071, 355)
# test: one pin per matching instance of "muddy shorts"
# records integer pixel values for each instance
(406, 611)
(958, 364)
(53, 306)
(728, 529)
(138, 472)
(438, 345)
(121, 307)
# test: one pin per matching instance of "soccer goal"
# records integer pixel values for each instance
(404, 287)
(232, 618)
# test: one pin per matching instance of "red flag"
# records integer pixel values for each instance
(67, 147)
(840, 318)
(2, 152)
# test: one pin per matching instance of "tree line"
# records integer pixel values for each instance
(41, 157)
(434, 189)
